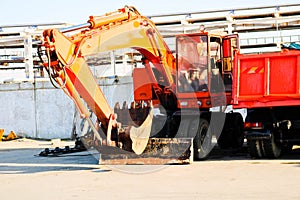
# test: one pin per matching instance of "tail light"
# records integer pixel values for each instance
(255, 125)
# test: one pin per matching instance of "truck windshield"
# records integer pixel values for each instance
(192, 63)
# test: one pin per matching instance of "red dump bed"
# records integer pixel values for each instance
(266, 80)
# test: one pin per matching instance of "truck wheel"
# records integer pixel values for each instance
(255, 148)
(203, 140)
(271, 148)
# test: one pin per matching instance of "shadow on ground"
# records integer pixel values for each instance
(27, 161)
(23, 161)
(242, 154)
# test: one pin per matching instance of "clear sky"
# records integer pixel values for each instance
(77, 11)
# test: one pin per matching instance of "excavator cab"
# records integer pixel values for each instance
(204, 68)
(199, 68)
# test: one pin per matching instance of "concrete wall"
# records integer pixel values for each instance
(35, 110)
(38, 110)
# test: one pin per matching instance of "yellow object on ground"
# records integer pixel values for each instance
(11, 136)
(1, 134)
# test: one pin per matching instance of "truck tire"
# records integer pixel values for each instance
(271, 148)
(255, 148)
(203, 140)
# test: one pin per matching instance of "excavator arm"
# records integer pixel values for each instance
(67, 49)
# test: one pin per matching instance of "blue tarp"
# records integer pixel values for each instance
(292, 45)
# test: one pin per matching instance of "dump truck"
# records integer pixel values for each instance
(267, 85)
(195, 89)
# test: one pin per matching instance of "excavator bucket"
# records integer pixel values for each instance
(147, 150)
(140, 135)
(158, 151)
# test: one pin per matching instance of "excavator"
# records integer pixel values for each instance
(191, 88)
